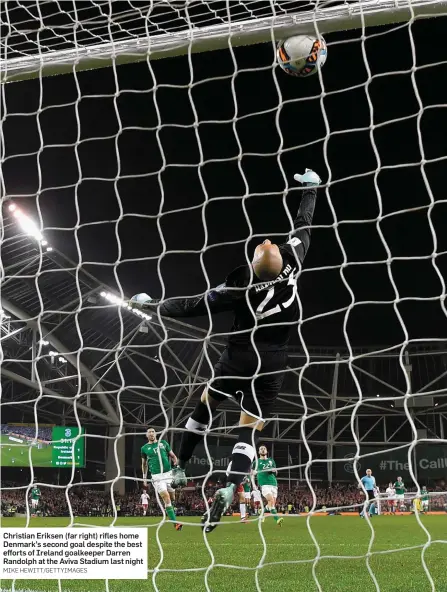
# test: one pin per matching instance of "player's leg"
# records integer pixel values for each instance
(251, 422)
(247, 502)
(242, 507)
(161, 488)
(219, 389)
(270, 493)
(144, 509)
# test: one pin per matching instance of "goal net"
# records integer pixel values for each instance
(149, 146)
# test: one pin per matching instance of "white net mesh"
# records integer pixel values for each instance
(161, 177)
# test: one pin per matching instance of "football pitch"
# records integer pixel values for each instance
(291, 556)
(13, 454)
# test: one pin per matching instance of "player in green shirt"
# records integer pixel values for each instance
(156, 459)
(265, 469)
(244, 497)
(399, 487)
(35, 497)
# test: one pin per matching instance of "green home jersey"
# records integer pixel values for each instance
(399, 487)
(264, 467)
(424, 495)
(153, 453)
(246, 484)
(35, 493)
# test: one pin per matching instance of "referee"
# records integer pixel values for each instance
(369, 483)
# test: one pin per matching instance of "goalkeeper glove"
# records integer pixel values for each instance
(310, 178)
(140, 301)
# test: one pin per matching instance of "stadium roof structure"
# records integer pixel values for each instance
(70, 347)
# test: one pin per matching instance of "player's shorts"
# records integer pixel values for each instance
(162, 482)
(269, 490)
(424, 504)
(247, 495)
(34, 503)
(370, 494)
(256, 494)
(400, 497)
(233, 379)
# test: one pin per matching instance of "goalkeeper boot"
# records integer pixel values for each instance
(178, 526)
(178, 478)
(220, 505)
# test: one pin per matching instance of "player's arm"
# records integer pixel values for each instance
(299, 238)
(171, 453)
(173, 458)
(220, 299)
(144, 469)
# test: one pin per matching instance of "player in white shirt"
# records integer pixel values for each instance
(256, 495)
(144, 501)
(391, 498)
(377, 500)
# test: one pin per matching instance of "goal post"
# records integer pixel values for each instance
(117, 174)
(324, 18)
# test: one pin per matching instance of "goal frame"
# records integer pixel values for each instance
(348, 16)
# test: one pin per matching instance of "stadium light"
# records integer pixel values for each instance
(28, 225)
(53, 353)
(44, 342)
(3, 315)
(123, 303)
(62, 360)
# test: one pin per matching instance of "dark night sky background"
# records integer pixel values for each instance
(118, 140)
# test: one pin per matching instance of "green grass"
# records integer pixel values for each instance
(290, 556)
(19, 453)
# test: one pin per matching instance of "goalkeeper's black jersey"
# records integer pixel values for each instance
(267, 310)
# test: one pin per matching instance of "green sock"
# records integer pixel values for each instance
(170, 512)
(275, 514)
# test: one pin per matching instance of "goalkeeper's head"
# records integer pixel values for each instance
(151, 435)
(267, 261)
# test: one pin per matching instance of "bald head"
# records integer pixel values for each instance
(267, 261)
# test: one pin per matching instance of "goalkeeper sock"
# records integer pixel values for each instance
(196, 425)
(170, 512)
(243, 510)
(275, 514)
(243, 456)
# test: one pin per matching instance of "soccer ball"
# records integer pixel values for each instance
(301, 55)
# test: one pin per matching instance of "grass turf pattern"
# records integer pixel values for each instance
(342, 567)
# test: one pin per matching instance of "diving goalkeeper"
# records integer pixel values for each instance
(263, 297)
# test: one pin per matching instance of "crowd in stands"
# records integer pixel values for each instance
(90, 502)
(28, 432)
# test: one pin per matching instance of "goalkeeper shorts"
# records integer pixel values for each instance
(233, 378)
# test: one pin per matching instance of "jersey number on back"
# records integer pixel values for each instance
(260, 314)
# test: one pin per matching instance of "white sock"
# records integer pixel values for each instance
(242, 508)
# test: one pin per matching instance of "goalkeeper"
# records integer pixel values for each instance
(263, 297)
